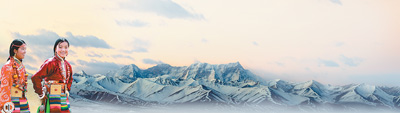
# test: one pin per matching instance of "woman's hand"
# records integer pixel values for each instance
(43, 98)
(67, 93)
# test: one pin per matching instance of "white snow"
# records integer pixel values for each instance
(225, 83)
(365, 90)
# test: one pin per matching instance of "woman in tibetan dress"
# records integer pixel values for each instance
(13, 80)
(57, 75)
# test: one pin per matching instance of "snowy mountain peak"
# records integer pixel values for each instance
(231, 72)
(235, 65)
(313, 82)
(126, 74)
(163, 66)
(82, 73)
(224, 83)
(365, 90)
(131, 67)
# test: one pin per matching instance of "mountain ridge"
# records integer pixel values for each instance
(226, 84)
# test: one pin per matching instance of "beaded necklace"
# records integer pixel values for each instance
(17, 82)
(64, 70)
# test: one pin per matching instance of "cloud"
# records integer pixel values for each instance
(47, 38)
(204, 40)
(151, 61)
(280, 64)
(328, 63)
(27, 66)
(86, 41)
(351, 61)
(71, 62)
(44, 38)
(4, 54)
(139, 46)
(93, 54)
(255, 43)
(39, 53)
(134, 23)
(29, 58)
(336, 2)
(166, 8)
(338, 44)
(139, 50)
(96, 67)
(71, 52)
(122, 56)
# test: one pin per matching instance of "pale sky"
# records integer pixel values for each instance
(332, 41)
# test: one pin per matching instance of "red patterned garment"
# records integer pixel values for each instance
(54, 70)
(13, 74)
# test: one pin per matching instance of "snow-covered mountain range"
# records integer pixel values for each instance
(228, 84)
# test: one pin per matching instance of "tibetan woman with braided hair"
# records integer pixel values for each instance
(13, 80)
(56, 73)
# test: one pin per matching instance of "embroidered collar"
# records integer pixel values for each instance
(59, 58)
(17, 60)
